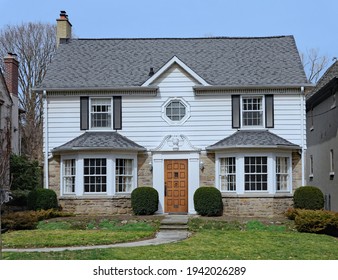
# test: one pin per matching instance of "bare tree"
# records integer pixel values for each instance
(35, 45)
(314, 64)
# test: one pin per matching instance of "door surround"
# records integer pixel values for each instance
(158, 159)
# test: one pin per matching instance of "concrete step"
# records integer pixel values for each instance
(173, 227)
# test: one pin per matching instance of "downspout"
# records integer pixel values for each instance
(45, 120)
(303, 123)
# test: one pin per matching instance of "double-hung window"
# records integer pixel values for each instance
(95, 175)
(252, 111)
(124, 175)
(282, 173)
(256, 173)
(68, 177)
(100, 113)
(228, 174)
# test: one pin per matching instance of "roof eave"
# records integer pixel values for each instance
(79, 149)
(245, 87)
(120, 90)
(282, 147)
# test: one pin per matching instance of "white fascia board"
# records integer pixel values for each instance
(166, 66)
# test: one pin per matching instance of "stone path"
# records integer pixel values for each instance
(173, 228)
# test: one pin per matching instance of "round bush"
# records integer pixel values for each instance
(208, 201)
(144, 201)
(42, 199)
(308, 197)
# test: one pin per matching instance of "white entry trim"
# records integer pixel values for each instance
(193, 176)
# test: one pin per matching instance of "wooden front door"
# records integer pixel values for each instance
(176, 186)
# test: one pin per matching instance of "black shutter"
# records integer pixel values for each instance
(236, 111)
(269, 111)
(117, 110)
(84, 113)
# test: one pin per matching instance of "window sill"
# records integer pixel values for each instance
(94, 197)
(256, 195)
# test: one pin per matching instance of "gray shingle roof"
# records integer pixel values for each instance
(252, 138)
(99, 141)
(330, 73)
(109, 63)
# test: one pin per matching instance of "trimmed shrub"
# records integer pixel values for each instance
(291, 213)
(42, 199)
(308, 197)
(208, 201)
(317, 221)
(144, 201)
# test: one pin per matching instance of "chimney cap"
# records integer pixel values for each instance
(63, 15)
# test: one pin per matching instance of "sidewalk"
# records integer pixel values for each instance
(162, 237)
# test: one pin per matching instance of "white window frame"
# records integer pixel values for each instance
(175, 122)
(249, 173)
(287, 174)
(124, 177)
(96, 175)
(262, 125)
(240, 171)
(91, 101)
(110, 174)
(68, 177)
(226, 176)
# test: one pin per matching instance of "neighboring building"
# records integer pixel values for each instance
(9, 122)
(322, 141)
(174, 114)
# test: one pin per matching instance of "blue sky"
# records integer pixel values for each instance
(312, 22)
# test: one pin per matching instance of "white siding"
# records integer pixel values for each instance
(209, 122)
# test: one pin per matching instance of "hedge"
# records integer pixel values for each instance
(308, 197)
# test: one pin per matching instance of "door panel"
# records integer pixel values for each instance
(176, 185)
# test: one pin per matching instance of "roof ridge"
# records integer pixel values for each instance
(187, 38)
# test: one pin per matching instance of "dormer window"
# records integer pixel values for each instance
(100, 113)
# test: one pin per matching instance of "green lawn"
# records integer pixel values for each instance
(216, 240)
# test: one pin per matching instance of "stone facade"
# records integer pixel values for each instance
(207, 174)
(97, 205)
(144, 170)
(268, 207)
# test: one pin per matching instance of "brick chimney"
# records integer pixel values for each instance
(63, 28)
(12, 73)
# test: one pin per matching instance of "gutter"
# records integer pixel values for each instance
(46, 171)
(152, 90)
(251, 87)
(303, 124)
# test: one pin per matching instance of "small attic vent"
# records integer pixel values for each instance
(151, 71)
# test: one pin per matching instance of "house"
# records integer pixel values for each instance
(322, 141)
(174, 114)
(9, 121)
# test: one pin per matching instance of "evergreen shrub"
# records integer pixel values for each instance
(208, 201)
(42, 199)
(144, 201)
(317, 221)
(308, 197)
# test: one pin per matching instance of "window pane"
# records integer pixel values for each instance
(252, 111)
(69, 176)
(228, 174)
(100, 111)
(124, 175)
(256, 176)
(95, 176)
(175, 110)
(282, 173)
